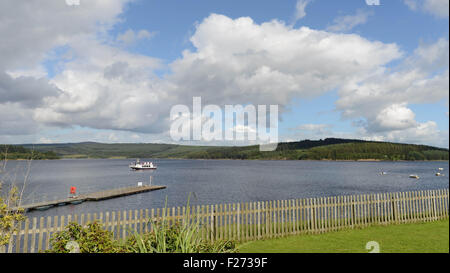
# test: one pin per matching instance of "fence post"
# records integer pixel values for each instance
(393, 210)
(353, 211)
(238, 221)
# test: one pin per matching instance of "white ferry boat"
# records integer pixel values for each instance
(142, 165)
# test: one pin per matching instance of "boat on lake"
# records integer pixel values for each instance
(415, 176)
(142, 166)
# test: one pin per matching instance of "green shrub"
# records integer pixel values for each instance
(91, 239)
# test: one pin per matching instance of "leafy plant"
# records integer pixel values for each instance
(9, 219)
(91, 239)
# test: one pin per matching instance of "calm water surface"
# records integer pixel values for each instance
(216, 181)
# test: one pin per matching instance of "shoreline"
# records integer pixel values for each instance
(175, 158)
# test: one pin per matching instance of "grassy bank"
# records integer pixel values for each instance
(428, 237)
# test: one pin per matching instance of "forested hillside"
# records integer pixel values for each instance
(326, 149)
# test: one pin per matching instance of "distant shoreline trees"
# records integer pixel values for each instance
(326, 149)
(13, 152)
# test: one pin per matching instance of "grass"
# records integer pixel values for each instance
(431, 237)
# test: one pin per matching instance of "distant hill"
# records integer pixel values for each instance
(326, 149)
(20, 152)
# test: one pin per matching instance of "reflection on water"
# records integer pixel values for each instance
(217, 181)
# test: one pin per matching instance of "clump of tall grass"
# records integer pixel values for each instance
(181, 237)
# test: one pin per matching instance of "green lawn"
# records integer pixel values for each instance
(428, 237)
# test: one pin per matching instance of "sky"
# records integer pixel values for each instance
(111, 70)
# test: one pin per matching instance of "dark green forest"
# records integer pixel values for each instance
(19, 152)
(324, 149)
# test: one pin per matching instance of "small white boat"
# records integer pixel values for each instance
(439, 174)
(414, 176)
(441, 169)
(142, 166)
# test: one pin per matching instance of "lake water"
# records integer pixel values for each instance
(216, 181)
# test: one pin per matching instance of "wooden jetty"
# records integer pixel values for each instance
(95, 196)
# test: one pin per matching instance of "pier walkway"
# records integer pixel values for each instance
(95, 196)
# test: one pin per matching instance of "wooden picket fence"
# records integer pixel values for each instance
(252, 220)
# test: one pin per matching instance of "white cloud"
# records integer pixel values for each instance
(318, 129)
(381, 100)
(395, 117)
(423, 133)
(238, 61)
(300, 7)
(34, 27)
(130, 36)
(348, 22)
(438, 8)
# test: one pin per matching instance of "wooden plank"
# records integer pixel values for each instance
(414, 206)
(291, 216)
(327, 214)
(233, 221)
(238, 221)
(18, 236)
(428, 204)
(339, 212)
(266, 220)
(438, 203)
(114, 226)
(259, 219)
(282, 206)
(228, 215)
(207, 223)
(95, 196)
(401, 207)
(300, 215)
(26, 236)
(313, 215)
(220, 222)
(147, 221)
(124, 224)
(424, 205)
(106, 222)
(202, 222)
(254, 220)
(336, 209)
(296, 215)
(409, 207)
(152, 217)
(33, 235)
(446, 199)
(433, 194)
(216, 222)
(48, 234)
(117, 223)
